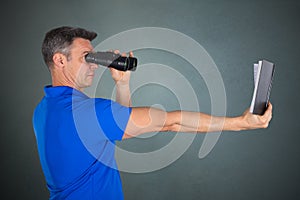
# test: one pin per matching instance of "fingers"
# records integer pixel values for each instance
(130, 54)
(117, 51)
(268, 112)
(270, 106)
(123, 54)
(266, 118)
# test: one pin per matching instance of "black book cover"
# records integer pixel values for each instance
(263, 77)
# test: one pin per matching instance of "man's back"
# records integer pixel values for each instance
(74, 170)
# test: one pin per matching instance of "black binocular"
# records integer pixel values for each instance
(110, 59)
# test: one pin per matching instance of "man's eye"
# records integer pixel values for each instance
(84, 55)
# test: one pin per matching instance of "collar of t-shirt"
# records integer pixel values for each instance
(58, 91)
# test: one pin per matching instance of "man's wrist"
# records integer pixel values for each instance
(236, 123)
(122, 84)
(241, 123)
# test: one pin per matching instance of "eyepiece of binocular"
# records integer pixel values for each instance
(110, 59)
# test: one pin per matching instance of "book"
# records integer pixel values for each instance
(263, 78)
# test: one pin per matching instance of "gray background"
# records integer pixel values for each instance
(259, 164)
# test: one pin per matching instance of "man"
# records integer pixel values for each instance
(64, 126)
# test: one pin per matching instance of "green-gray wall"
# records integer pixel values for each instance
(259, 164)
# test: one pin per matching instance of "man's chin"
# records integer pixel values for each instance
(89, 82)
(86, 85)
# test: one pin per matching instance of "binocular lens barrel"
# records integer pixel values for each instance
(110, 59)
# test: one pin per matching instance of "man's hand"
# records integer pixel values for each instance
(253, 121)
(121, 77)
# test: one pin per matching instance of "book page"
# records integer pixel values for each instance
(256, 73)
(255, 69)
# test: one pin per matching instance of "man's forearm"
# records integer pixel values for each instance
(123, 95)
(201, 122)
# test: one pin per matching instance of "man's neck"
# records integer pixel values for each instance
(61, 81)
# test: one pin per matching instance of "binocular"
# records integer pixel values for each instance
(110, 59)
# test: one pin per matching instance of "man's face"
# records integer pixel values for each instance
(80, 72)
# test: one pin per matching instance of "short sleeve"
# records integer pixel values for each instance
(112, 117)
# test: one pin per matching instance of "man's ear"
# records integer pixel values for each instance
(59, 60)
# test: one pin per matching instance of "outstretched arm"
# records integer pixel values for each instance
(147, 119)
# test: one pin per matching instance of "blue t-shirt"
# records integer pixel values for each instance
(76, 138)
